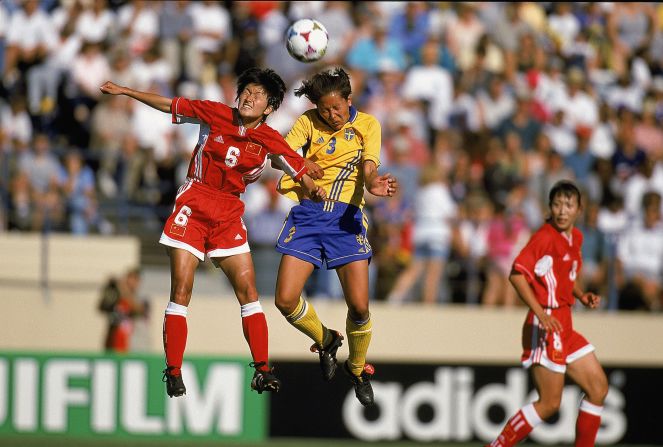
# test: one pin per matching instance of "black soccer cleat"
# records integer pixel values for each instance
(328, 355)
(264, 380)
(362, 383)
(174, 383)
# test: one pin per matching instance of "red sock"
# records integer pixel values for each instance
(174, 336)
(587, 424)
(518, 427)
(254, 325)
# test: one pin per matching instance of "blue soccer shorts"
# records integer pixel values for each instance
(330, 232)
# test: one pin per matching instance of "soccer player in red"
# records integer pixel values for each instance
(232, 151)
(544, 275)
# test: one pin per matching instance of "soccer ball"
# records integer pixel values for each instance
(306, 40)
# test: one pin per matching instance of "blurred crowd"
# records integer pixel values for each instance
(484, 106)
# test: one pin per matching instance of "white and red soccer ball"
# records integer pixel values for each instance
(306, 40)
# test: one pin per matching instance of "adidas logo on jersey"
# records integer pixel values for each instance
(219, 139)
(238, 237)
(320, 140)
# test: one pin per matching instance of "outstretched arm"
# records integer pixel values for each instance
(151, 99)
(378, 185)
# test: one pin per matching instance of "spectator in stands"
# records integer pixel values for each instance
(175, 33)
(15, 120)
(97, 23)
(522, 123)
(640, 259)
(496, 103)
(648, 132)
(368, 53)
(44, 79)
(392, 225)
(630, 27)
(410, 28)
(30, 37)
(648, 178)
(594, 252)
(507, 234)
(89, 69)
(431, 238)
(463, 34)
(211, 31)
(78, 187)
(138, 25)
(471, 244)
(581, 161)
(628, 157)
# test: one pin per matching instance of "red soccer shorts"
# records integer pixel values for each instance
(554, 350)
(206, 221)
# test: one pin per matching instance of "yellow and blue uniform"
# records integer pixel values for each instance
(333, 231)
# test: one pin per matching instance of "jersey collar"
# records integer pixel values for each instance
(353, 114)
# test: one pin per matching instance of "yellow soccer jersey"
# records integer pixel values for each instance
(339, 153)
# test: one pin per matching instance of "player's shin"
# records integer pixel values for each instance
(305, 319)
(587, 424)
(256, 333)
(359, 338)
(174, 336)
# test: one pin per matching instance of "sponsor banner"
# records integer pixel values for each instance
(430, 403)
(81, 395)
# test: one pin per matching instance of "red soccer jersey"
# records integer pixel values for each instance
(228, 156)
(551, 262)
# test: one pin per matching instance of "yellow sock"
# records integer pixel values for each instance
(306, 320)
(359, 337)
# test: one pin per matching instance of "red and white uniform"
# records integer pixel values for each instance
(207, 218)
(551, 262)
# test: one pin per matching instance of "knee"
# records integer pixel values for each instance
(285, 306)
(548, 407)
(246, 293)
(358, 313)
(181, 294)
(598, 391)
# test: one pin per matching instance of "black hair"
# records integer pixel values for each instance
(268, 79)
(565, 188)
(326, 82)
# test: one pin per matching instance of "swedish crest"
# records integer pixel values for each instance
(349, 134)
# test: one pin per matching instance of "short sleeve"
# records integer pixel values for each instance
(195, 111)
(373, 142)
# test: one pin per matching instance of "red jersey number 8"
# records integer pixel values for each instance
(574, 271)
(232, 156)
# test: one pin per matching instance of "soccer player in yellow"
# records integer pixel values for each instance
(345, 144)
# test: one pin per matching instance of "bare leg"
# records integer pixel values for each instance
(432, 279)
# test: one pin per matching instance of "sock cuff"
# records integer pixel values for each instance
(176, 309)
(299, 312)
(590, 408)
(358, 326)
(249, 309)
(531, 416)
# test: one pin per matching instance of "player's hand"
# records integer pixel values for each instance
(590, 300)
(550, 323)
(383, 186)
(314, 192)
(110, 88)
(318, 194)
(314, 171)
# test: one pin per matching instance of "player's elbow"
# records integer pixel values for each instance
(514, 276)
